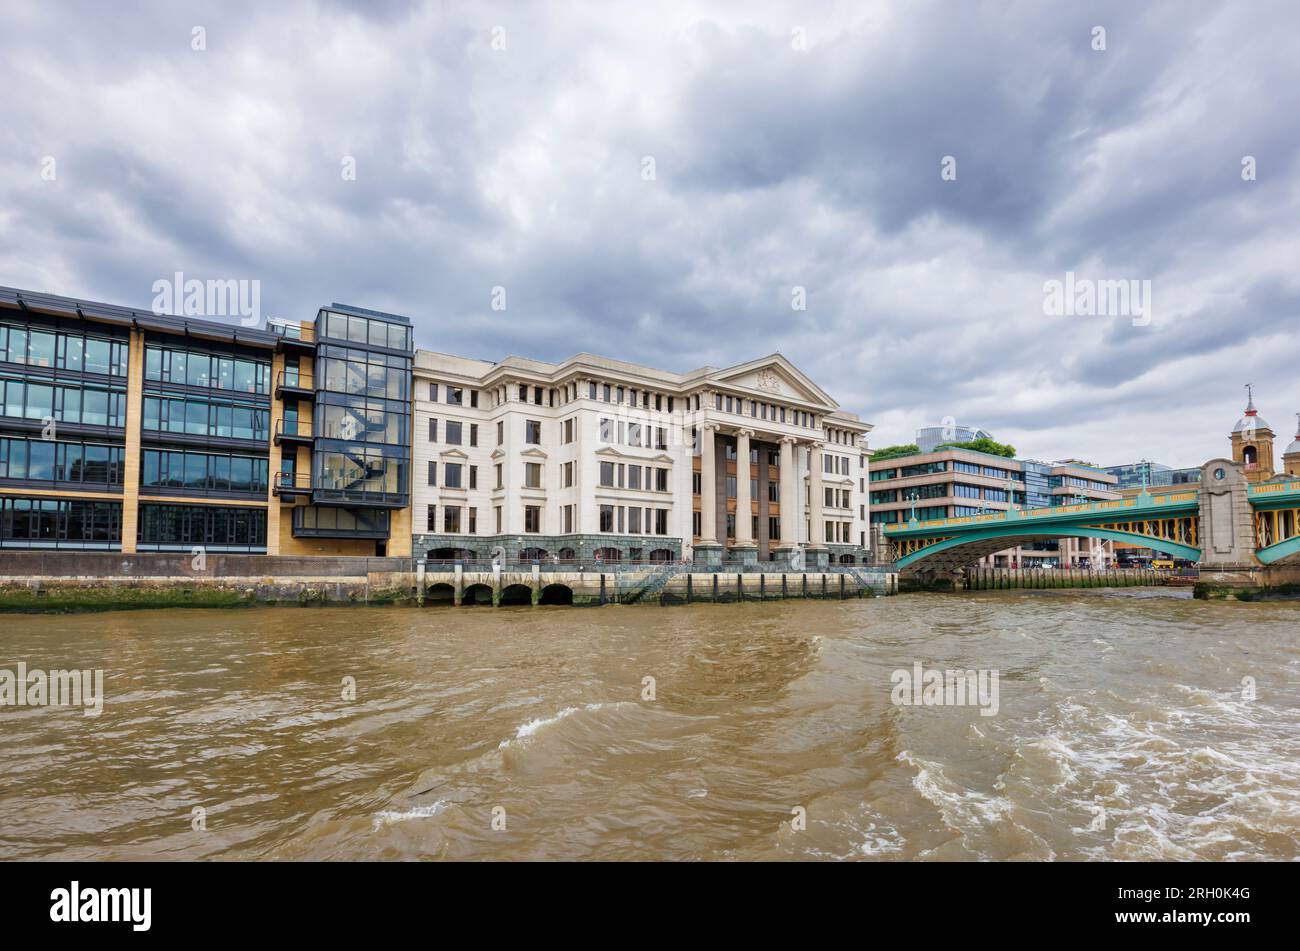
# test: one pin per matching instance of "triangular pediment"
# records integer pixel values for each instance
(534, 453)
(454, 454)
(776, 377)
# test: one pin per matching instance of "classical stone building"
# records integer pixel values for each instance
(599, 459)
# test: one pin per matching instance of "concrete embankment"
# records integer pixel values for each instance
(1009, 579)
(90, 581)
(51, 582)
(997, 579)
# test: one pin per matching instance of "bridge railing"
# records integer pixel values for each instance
(1270, 488)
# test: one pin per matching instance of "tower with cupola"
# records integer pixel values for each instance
(1252, 443)
(1291, 458)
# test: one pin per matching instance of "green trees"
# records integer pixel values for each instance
(891, 452)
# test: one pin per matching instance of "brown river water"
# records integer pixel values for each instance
(1121, 732)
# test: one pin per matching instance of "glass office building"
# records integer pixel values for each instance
(126, 430)
(1155, 475)
(932, 437)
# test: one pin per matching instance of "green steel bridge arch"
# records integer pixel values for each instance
(1168, 522)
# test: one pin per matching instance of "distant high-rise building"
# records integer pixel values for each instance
(931, 437)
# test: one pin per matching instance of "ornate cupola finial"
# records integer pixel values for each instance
(1250, 400)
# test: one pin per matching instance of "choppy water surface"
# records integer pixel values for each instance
(1119, 706)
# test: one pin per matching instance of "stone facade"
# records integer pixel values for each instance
(592, 453)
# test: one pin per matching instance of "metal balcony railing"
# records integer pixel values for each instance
(288, 481)
(293, 428)
(293, 332)
(292, 379)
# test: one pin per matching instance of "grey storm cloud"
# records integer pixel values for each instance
(504, 144)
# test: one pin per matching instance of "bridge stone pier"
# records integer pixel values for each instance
(1245, 536)
(1233, 515)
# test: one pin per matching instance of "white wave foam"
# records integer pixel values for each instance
(959, 807)
(390, 816)
(532, 727)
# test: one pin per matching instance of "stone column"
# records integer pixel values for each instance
(745, 550)
(708, 551)
(816, 529)
(789, 495)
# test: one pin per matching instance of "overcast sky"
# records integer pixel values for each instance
(796, 145)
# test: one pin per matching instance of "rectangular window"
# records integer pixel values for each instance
(451, 519)
(432, 523)
(661, 480)
(454, 394)
(607, 518)
(532, 519)
(501, 432)
(473, 434)
(533, 475)
(499, 485)
(607, 473)
(568, 475)
(433, 473)
(473, 477)
(453, 432)
(433, 430)
(533, 432)
(696, 524)
(473, 520)
(451, 475)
